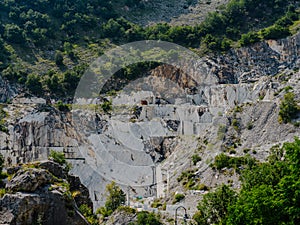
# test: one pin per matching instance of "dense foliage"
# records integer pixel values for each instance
(3, 115)
(115, 198)
(146, 218)
(269, 195)
(59, 25)
(288, 108)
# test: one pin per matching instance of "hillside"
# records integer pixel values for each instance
(208, 128)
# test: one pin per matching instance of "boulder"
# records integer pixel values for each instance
(29, 180)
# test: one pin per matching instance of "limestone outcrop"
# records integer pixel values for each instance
(36, 196)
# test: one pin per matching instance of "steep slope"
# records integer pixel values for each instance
(42, 195)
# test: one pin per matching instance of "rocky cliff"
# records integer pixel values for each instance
(41, 193)
(147, 146)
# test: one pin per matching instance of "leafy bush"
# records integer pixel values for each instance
(249, 38)
(178, 197)
(222, 161)
(13, 33)
(87, 212)
(34, 84)
(106, 106)
(2, 192)
(196, 158)
(236, 124)
(3, 126)
(146, 218)
(288, 108)
(63, 107)
(275, 32)
(213, 209)
(59, 59)
(156, 203)
(115, 198)
(58, 157)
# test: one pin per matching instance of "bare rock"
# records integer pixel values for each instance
(29, 180)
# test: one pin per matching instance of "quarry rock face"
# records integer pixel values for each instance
(139, 140)
(29, 180)
(33, 197)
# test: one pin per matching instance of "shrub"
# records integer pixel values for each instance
(58, 157)
(115, 198)
(87, 212)
(275, 32)
(34, 84)
(196, 158)
(178, 197)
(58, 58)
(223, 161)
(106, 106)
(156, 204)
(13, 33)
(236, 124)
(213, 209)
(2, 192)
(288, 108)
(62, 107)
(249, 38)
(3, 115)
(146, 218)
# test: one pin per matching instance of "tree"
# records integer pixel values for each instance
(115, 197)
(288, 108)
(146, 218)
(213, 209)
(59, 58)
(33, 83)
(249, 38)
(275, 32)
(13, 33)
(270, 191)
(58, 157)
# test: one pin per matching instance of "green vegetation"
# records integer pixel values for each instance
(225, 161)
(115, 198)
(2, 192)
(65, 29)
(178, 197)
(156, 203)
(214, 206)
(269, 194)
(146, 218)
(63, 107)
(3, 115)
(196, 158)
(87, 212)
(106, 106)
(236, 124)
(59, 157)
(288, 108)
(191, 181)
